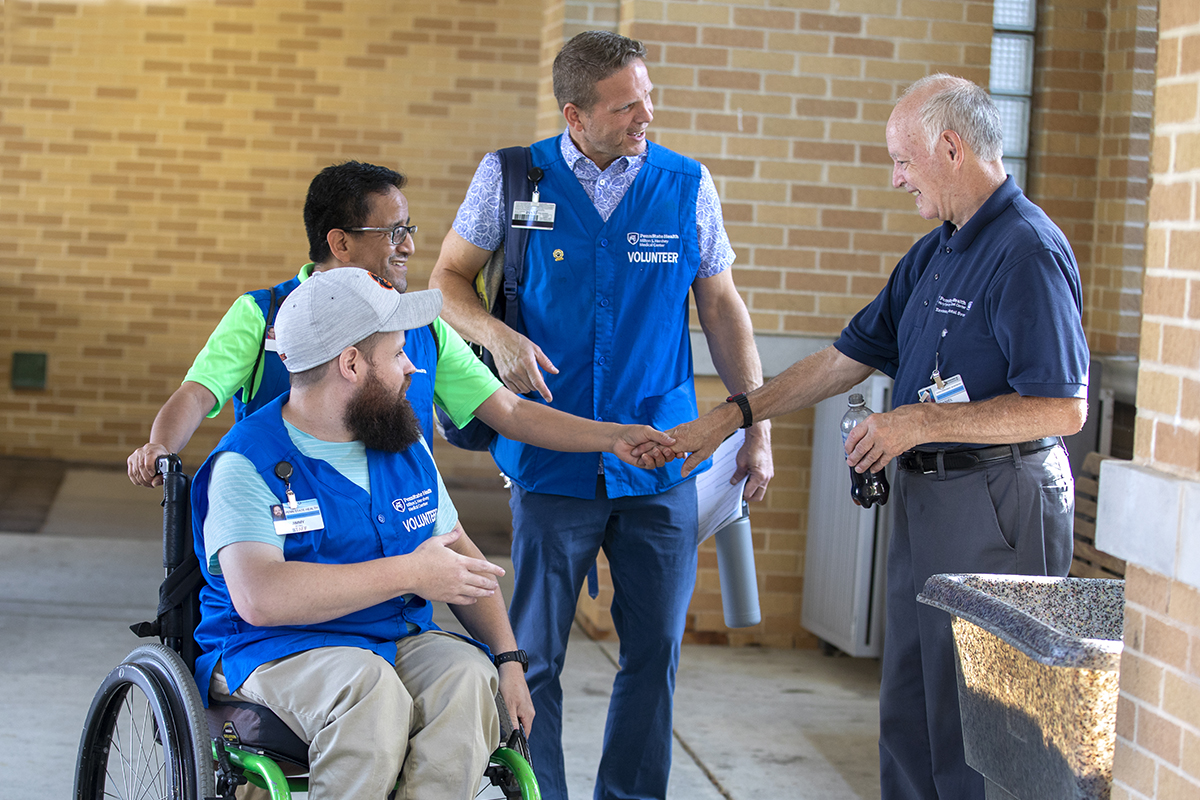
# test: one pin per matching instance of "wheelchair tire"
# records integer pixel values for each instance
(145, 735)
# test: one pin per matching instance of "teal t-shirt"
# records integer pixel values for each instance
(225, 363)
(239, 502)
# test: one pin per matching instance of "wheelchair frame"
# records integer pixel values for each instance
(149, 717)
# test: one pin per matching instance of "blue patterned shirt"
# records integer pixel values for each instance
(481, 217)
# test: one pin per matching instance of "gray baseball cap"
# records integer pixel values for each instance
(340, 307)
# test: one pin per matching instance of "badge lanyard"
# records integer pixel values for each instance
(949, 390)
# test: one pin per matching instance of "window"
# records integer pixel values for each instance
(1013, 23)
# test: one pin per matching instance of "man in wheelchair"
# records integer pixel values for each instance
(325, 533)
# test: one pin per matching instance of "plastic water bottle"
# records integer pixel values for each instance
(866, 488)
(735, 563)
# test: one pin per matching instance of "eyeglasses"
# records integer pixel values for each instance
(397, 234)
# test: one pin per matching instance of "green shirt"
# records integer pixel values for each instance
(224, 366)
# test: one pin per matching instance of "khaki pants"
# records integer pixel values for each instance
(431, 719)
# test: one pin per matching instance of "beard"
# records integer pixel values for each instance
(382, 420)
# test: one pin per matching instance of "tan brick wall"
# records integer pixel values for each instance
(153, 163)
(1158, 715)
(1168, 425)
(1090, 143)
(1158, 718)
(787, 108)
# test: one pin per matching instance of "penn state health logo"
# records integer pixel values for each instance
(398, 504)
(632, 238)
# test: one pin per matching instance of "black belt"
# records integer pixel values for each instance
(925, 461)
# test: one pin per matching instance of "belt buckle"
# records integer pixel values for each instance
(926, 470)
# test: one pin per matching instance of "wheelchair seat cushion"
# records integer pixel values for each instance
(256, 728)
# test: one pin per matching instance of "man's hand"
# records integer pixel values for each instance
(520, 363)
(142, 464)
(701, 437)
(754, 460)
(882, 436)
(516, 695)
(442, 575)
(653, 448)
(173, 426)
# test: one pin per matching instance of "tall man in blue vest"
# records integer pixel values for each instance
(604, 334)
(325, 534)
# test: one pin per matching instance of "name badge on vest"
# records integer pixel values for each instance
(534, 214)
(306, 516)
(269, 341)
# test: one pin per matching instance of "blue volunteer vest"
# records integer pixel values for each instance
(608, 303)
(397, 515)
(420, 346)
(274, 375)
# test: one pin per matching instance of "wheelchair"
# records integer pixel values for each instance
(148, 735)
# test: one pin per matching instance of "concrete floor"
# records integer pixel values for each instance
(749, 722)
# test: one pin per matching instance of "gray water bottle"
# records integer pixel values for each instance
(735, 562)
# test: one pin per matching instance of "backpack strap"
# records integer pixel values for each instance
(515, 163)
(270, 320)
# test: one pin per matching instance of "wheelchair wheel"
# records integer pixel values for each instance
(145, 735)
(510, 769)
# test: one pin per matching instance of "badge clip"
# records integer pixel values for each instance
(283, 471)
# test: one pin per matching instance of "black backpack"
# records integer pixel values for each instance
(497, 285)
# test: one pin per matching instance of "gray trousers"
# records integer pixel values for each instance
(431, 718)
(1013, 516)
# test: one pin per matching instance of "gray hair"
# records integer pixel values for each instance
(956, 104)
(587, 59)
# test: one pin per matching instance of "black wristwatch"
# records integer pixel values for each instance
(520, 656)
(744, 404)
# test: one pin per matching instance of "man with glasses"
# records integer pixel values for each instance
(355, 215)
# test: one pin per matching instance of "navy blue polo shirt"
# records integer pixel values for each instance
(997, 302)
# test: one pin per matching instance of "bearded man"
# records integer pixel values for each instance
(325, 534)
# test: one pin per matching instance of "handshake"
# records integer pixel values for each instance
(648, 448)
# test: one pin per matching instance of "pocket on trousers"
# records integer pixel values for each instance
(1005, 528)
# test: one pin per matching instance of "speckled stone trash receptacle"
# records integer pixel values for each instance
(1038, 666)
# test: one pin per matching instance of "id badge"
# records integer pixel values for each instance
(951, 391)
(269, 341)
(528, 214)
(306, 516)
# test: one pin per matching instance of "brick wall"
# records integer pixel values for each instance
(153, 164)
(1158, 717)
(1090, 142)
(1158, 713)
(1168, 430)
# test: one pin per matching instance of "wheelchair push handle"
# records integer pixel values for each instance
(177, 540)
(168, 463)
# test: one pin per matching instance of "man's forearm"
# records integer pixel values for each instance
(808, 382)
(1005, 419)
(181, 415)
(454, 273)
(487, 619)
(522, 420)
